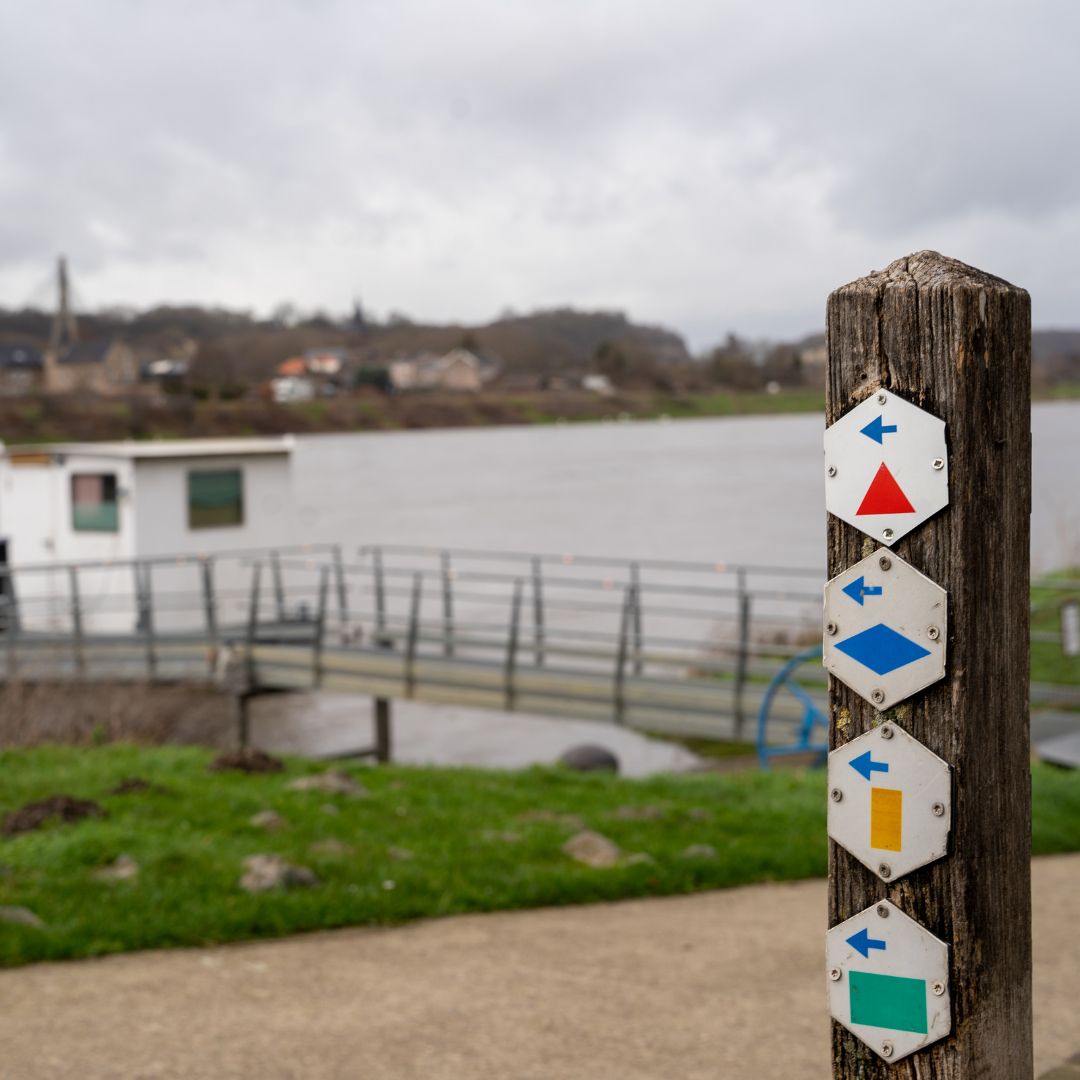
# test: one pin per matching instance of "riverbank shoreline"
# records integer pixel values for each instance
(77, 418)
(81, 419)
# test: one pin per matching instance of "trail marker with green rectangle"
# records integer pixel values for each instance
(889, 981)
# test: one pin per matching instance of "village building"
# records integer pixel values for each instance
(459, 369)
(107, 366)
(20, 369)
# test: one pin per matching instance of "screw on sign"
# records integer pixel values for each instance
(885, 629)
(890, 801)
(886, 467)
(888, 980)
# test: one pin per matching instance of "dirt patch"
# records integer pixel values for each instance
(33, 815)
(248, 760)
(136, 785)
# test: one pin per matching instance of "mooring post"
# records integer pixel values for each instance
(955, 342)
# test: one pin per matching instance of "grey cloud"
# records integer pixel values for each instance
(718, 164)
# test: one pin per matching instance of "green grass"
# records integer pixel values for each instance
(745, 403)
(474, 845)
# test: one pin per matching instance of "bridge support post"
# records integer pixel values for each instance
(383, 740)
(955, 342)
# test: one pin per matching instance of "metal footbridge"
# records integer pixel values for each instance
(664, 646)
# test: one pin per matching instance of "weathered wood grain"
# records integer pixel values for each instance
(955, 341)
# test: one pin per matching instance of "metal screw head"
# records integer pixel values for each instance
(938, 463)
(888, 534)
(883, 911)
(885, 562)
(834, 974)
(886, 1049)
(938, 988)
(830, 628)
(877, 696)
(938, 809)
(933, 633)
(886, 731)
(836, 794)
(831, 470)
(881, 399)
(884, 870)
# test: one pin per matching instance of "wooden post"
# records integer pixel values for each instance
(383, 737)
(956, 342)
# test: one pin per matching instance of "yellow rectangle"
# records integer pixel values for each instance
(886, 818)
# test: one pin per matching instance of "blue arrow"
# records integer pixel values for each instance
(864, 764)
(858, 589)
(863, 942)
(882, 649)
(877, 429)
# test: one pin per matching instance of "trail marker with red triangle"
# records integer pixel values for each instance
(886, 466)
(884, 496)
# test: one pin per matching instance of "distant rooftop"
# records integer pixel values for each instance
(163, 449)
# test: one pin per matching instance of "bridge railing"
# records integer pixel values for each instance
(671, 641)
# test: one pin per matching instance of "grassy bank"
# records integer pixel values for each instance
(44, 419)
(423, 842)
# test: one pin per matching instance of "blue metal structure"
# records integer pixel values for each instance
(813, 717)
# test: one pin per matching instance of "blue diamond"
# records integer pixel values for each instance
(882, 650)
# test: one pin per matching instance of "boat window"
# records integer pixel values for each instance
(215, 498)
(93, 502)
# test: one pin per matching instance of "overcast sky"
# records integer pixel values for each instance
(710, 165)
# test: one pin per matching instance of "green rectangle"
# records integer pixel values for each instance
(888, 1001)
(215, 498)
(103, 517)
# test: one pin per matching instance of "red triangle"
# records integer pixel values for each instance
(884, 496)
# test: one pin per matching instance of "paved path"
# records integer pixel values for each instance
(721, 985)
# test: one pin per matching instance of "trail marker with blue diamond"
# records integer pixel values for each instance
(885, 629)
(886, 466)
(888, 980)
(890, 801)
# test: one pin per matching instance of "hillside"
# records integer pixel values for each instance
(545, 342)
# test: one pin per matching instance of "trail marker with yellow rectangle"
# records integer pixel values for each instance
(886, 818)
(890, 801)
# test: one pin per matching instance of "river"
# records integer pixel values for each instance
(741, 489)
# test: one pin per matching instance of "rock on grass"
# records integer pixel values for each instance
(21, 916)
(333, 781)
(592, 849)
(270, 820)
(265, 872)
(123, 868)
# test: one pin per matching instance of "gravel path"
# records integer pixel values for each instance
(724, 984)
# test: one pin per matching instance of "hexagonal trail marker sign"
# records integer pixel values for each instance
(886, 468)
(888, 981)
(890, 801)
(885, 629)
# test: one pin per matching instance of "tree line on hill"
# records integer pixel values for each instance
(227, 352)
